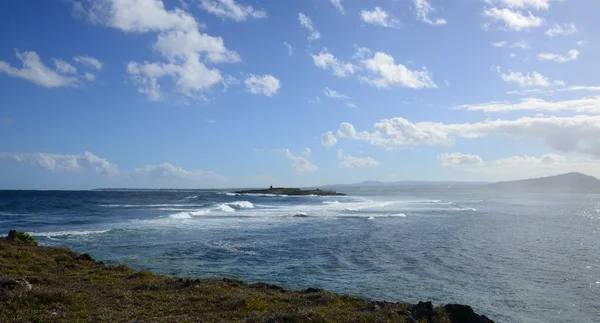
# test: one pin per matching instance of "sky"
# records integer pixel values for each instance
(247, 93)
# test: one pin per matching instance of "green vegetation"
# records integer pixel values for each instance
(42, 284)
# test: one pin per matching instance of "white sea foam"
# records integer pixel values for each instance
(398, 215)
(331, 202)
(191, 197)
(224, 208)
(149, 205)
(351, 209)
(181, 216)
(241, 204)
(65, 233)
(371, 218)
(231, 194)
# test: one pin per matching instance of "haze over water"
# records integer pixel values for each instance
(515, 258)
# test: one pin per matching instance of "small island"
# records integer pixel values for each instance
(291, 191)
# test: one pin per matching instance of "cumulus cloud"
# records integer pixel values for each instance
(379, 17)
(35, 71)
(266, 84)
(514, 20)
(386, 73)
(576, 134)
(529, 79)
(524, 4)
(347, 161)
(328, 139)
(423, 8)
(326, 61)
(300, 164)
(168, 171)
(338, 5)
(561, 30)
(59, 162)
(229, 9)
(306, 22)
(332, 94)
(460, 160)
(589, 105)
(88, 61)
(185, 49)
(572, 55)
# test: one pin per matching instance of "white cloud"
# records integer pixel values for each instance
(59, 162)
(35, 71)
(581, 42)
(546, 159)
(379, 17)
(581, 88)
(89, 76)
(88, 61)
(499, 44)
(577, 134)
(514, 20)
(332, 94)
(351, 105)
(325, 60)
(328, 139)
(423, 8)
(523, 44)
(338, 5)
(460, 160)
(64, 67)
(523, 4)
(529, 79)
(387, 73)
(315, 101)
(398, 132)
(589, 105)
(300, 164)
(179, 41)
(307, 23)
(290, 49)
(168, 171)
(562, 30)
(267, 84)
(572, 55)
(8, 121)
(347, 161)
(229, 9)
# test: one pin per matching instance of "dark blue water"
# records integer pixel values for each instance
(515, 258)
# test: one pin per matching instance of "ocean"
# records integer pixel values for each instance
(512, 257)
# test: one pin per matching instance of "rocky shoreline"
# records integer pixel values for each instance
(48, 284)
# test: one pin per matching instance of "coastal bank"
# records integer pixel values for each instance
(49, 284)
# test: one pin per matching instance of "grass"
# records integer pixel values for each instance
(43, 284)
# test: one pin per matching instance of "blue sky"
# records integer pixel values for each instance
(224, 93)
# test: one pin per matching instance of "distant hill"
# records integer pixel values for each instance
(565, 183)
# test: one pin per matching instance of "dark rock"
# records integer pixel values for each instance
(85, 257)
(12, 235)
(313, 290)
(267, 286)
(424, 311)
(464, 314)
(291, 191)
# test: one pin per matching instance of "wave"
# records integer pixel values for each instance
(331, 202)
(65, 233)
(371, 218)
(149, 205)
(301, 215)
(190, 197)
(399, 215)
(241, 204)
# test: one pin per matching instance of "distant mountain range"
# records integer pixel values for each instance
(565, 183)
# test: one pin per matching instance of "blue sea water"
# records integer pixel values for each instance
(514, 258)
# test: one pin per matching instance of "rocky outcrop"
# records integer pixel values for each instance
(291, 191)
